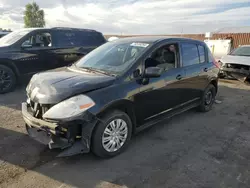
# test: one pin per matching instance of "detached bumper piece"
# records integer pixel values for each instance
(73, 137)
(241, 74)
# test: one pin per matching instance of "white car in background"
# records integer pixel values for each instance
(112, 38)
(236, 64)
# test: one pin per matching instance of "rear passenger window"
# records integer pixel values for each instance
(202, 54)
(91, 38)
(190, 54)
(210, 56)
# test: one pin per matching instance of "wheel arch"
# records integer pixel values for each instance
(10, 65)
(214, 82)
(122, 105)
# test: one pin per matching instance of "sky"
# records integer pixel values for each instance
(133, 16)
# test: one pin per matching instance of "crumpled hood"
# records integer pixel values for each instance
(56, 85)
(240, 60)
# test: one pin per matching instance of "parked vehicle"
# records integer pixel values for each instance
(237, 64)
(117, 90)
(3, 33)
(28, 51)
(112, 38)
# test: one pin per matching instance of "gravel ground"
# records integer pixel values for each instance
(190, 150)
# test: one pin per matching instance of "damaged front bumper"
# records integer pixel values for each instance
(234, 70)
(241, 74)
(73, 136)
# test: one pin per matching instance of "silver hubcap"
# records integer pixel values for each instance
(208, 98)
(115, 135)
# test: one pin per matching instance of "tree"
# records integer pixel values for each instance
(33, 16)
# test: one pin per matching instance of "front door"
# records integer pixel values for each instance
(159, 96)
(36, 53)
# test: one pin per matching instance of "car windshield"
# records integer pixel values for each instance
(113, 57)
(241, 51)
(12, 37)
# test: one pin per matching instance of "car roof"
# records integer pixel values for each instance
(4, 32)
(244, 46)
(152, 39)
(58, 28)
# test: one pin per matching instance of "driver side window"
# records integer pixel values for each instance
(165, 57)
(38, 40)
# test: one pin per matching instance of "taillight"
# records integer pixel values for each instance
(216, 63)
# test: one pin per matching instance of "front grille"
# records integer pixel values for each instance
(237, 66)
(37, 110)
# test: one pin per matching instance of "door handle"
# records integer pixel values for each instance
(205, 69)
(179, 77)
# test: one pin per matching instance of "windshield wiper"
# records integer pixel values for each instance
(97, 70)
(104, 72)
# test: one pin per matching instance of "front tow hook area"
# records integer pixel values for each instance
(38, 135)
(77, 148)
(47, 138)
(55, 142)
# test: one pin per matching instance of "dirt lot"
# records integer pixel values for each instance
(190, 150)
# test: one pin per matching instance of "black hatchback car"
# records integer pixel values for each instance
(116, 90)
(28, 51)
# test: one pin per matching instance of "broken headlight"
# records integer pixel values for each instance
(69, 108)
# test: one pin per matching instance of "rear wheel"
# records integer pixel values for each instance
(7, 79)
(207, 99)
(112, 135)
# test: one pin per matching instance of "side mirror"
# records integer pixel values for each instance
(153, 72)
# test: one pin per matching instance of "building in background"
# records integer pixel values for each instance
(232, 37)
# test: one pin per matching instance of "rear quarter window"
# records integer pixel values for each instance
(79, 38)
(210, 56)
(202, 55)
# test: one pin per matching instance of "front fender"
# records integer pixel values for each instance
(124, 105)
(116, 104)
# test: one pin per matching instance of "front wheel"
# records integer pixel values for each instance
(7, 79)
(112, 135)
(207, 99)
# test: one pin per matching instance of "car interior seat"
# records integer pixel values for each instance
(168, 60)
(38, 41)
(45, 40)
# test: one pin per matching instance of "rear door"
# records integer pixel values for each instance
(194, 62)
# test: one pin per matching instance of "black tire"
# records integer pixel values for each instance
(206, 105)
(6, 74)
(97, 146)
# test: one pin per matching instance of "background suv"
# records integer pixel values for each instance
(28, 51)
